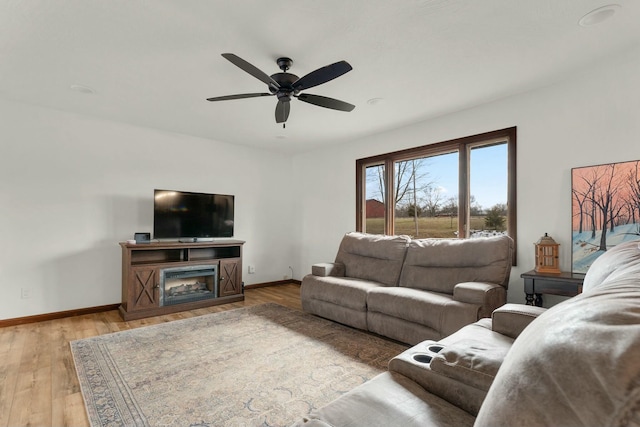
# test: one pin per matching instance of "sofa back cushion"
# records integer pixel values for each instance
(439, 264)
(373, 257)
(578, 363)
(610, 264)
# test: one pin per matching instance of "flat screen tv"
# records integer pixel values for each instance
(183, 215)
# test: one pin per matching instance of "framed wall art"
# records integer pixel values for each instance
(605, 202)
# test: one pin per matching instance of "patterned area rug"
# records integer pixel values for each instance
(265, 365)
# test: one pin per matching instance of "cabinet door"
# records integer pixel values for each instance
(230, 277)
(143, 289)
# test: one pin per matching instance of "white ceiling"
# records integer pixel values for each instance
(154, 62)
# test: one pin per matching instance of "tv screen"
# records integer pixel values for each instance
(180, 215)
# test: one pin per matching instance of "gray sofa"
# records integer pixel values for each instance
(575, 364)
(410, 290)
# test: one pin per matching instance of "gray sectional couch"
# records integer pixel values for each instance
(575, 364)
(410, 290)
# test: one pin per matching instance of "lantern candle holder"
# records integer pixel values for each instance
(547, 258)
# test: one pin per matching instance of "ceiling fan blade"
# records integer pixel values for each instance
(251, 69)
(239, 96)
(322, 75)
(323, 101)
(282, 111)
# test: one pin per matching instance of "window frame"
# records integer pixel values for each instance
(463, 146)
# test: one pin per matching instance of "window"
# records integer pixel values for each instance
(461, 188)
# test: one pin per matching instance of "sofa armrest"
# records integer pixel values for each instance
(324, 269)
(511, 319)
(473, 292)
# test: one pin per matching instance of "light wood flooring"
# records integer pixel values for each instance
(38, 382)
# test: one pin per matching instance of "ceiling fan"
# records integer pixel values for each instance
(286, 86)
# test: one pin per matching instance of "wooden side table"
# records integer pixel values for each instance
(536, 284)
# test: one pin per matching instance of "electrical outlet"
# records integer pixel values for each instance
(285, 277)
(252, 269)
(25, 293)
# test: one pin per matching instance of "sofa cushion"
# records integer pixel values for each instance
(577, 364)
(611, 264)
(373, 257)
(434, 310)
(343, 291)
(425, 308)
(439, 264)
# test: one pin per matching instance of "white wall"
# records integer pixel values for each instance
(72, 187)
(592, 118)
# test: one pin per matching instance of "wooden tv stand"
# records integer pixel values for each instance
(143, 265)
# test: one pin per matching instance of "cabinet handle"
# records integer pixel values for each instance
(157, 286)
(221, 278)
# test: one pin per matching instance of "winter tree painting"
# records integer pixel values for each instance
(605, 209)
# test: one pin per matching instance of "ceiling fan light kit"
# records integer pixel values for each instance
(285, 85)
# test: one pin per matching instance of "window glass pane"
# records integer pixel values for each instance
(374, 200)
(426, 196)
(488, 179)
